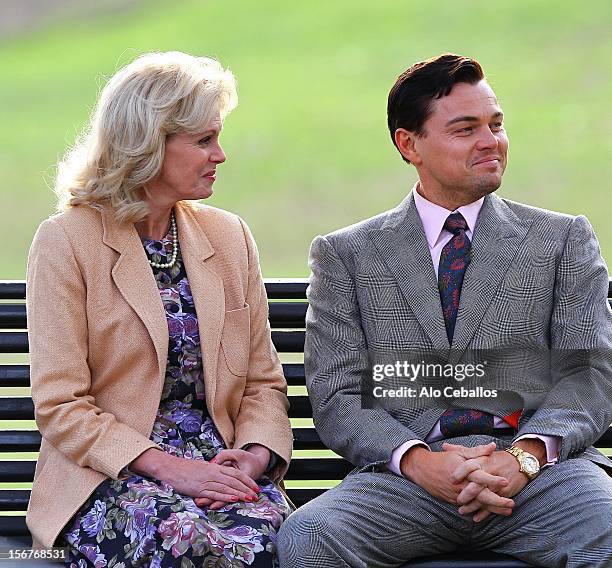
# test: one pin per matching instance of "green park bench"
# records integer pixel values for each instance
(312, 470)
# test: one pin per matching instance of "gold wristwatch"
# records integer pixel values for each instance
(529, 464)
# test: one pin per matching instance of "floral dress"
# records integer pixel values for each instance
(136, 521)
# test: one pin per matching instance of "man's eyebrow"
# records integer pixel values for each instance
(465, 118)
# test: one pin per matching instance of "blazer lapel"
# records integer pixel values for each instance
(497, 237)
(133, 277)
(207, 291)
(403, 247)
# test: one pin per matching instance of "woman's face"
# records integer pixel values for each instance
(189, 167)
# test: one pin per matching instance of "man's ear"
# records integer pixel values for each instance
(405, 141)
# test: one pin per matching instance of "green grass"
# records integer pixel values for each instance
(308, 148)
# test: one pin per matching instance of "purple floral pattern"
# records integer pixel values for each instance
(140, 522)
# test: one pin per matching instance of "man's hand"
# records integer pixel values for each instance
(433, 471)
(475, 497)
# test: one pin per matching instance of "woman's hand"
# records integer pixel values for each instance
(253, 461)
(204, 481)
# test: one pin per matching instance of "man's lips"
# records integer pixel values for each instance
(487, 160)
(211, 174)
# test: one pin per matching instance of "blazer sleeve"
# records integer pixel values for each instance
(66, 412)
(578, 408)
(262, 418)
(335, 358)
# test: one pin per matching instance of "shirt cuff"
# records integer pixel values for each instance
(398, 454)
(552, 444)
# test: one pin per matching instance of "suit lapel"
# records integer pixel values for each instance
(497, 237)
(207, 291)
(403, 247)
(133, 277)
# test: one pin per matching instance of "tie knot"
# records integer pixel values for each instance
(455, 223)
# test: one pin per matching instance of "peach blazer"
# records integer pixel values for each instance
(99, 339)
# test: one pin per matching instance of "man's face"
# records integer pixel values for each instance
(464, 150)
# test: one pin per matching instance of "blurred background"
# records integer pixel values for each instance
(308, 149)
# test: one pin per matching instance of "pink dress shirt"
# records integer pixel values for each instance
(433, 217)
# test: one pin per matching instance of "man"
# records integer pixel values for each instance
(456, 269)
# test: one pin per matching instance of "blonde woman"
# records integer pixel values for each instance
(158, 392)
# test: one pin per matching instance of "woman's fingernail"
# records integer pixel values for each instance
(234, 498)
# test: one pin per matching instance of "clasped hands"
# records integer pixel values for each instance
(227, 478)
(480, 479)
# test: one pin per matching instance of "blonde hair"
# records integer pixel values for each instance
(122, 147)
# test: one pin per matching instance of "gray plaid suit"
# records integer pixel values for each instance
(537, 282)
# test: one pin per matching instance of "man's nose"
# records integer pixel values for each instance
(486, 139)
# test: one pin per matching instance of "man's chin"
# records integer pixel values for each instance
(484, 186)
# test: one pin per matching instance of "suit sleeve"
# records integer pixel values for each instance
(335, 358)
(66, 412)
(262, 418)
(578, 408)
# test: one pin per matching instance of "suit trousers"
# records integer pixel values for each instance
(563, 518)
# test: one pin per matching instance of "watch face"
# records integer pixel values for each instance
(530, 465)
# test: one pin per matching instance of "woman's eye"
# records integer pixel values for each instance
(205, 140)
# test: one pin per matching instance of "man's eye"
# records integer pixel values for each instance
(467, 129)
(205, 140)
(497, 126)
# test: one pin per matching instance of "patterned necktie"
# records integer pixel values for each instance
(454, 259)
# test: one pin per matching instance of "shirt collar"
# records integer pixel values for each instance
(433, 216)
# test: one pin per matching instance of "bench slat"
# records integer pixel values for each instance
(16, 408)
(285, 314)
(12, 289)
(282, 314)
(320, 468)
(14, 499)
(13, 342)
(19, 441)
(14, 376)
(13, 316)
(284, 341)
(286, 288)
(303, 439)
(22, 408)
(13, 526)
(17, 471)
(300, 407)
(19, 375)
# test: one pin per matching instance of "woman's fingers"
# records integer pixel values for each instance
(226, 488)
(215, 495)
(210, 503)
(241, 478)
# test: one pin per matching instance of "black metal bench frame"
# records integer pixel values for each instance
(287, 312)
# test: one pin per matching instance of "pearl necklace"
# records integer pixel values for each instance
(174, 247)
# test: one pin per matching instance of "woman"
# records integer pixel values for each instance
(158, 392)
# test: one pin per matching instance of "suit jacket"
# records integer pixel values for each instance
(99, 339)
(536, 283)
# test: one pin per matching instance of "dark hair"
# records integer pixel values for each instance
(410, 99)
